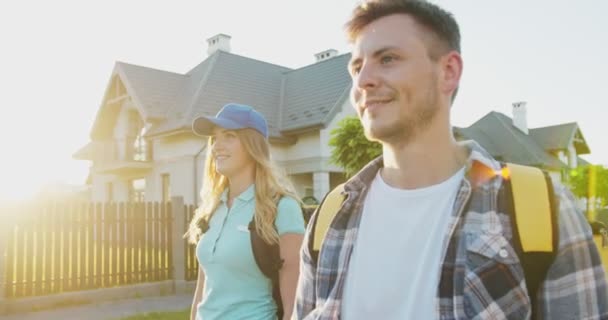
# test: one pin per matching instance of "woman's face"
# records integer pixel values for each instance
(228, 153)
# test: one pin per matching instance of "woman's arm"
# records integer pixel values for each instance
(290, 244)
(198, 293)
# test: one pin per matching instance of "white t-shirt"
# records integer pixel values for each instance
(394, 267)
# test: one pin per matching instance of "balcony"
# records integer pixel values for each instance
(127, 157)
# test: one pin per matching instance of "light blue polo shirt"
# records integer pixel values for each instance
(235, 288)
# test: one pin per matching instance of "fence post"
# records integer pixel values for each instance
(178, 214)
(4, 231)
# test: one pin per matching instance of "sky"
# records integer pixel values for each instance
(57, 58)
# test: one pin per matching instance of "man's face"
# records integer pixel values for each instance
(395, 88)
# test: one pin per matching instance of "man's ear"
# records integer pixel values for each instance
(451, 71)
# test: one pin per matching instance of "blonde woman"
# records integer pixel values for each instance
(241, 188)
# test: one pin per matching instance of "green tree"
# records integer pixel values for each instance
(351, 150)
(589, 181)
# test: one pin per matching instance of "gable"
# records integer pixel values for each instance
(560, 137)
(496, 133)
(116, 94)
(153, 91)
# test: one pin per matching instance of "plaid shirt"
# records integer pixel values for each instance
(477, 279)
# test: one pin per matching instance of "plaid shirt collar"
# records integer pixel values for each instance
(477, 156)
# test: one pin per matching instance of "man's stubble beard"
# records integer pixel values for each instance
(408, 128)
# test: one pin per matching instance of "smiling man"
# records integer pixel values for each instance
(419, 234)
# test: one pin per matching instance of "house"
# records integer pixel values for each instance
(554, 148)
(142, 146)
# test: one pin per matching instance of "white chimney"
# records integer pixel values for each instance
(218, 42)
(327, 54)
(520, 117)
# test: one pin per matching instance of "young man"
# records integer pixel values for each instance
(419, 234)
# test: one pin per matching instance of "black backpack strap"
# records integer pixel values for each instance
(268, 258)
(534, 264)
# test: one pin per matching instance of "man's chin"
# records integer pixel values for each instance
(387, 135)
(374, 134)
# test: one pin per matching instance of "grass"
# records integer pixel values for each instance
(175, 315)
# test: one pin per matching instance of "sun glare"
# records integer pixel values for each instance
(17, 190)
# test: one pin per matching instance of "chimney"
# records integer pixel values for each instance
(520, 118)
(218, 42)
(327, 54)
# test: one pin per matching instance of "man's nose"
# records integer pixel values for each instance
(367, 77)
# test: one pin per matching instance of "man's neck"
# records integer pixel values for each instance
(431, 158)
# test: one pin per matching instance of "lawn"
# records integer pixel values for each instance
(175, 315)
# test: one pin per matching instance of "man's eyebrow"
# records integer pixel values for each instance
(377, 53)
(382, 51)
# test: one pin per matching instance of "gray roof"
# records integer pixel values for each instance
(239, 79)
(496, 133)
(559, 137)
(300, 99)
(155, 89)
(313, 93)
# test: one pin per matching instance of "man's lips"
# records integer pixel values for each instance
(371, 105)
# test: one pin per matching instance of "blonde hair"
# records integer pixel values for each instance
(271, 184)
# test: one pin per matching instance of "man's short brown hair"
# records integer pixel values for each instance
(440, 22)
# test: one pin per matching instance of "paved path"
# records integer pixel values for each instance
(111, 310)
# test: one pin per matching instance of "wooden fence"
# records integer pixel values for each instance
(60, 247)
(190, 259)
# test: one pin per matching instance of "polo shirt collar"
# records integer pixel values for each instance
(245, 196)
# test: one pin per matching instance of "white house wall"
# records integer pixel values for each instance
(301, 183)
(556, 176)
(99, 188)
(177, 146)
(182, 157)
(572, 156)
(308, 146)
(325, 134)
(121, 129)
(312, 152)
(561, 155)
(181, 180)
(279, 153)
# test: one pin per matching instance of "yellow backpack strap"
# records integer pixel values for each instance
(533, 214)
(327, 211)
(533, 210)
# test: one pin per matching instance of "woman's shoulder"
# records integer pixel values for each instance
(289, 216)
(288, 201)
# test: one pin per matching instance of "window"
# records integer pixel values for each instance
(166, 185)
(137, 189)
(140, 147)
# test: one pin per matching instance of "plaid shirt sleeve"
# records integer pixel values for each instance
(575, 287)
(305, 292)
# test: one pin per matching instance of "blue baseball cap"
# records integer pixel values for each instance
(232, 116)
